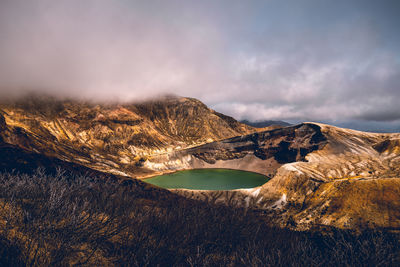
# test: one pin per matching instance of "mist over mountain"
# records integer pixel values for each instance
(199, 133)
(71, 175)
(113, 137)
(308, 61)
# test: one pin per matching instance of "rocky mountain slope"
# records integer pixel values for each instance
(320, 175)
(352, 182)
(114, 138)
(262, 152)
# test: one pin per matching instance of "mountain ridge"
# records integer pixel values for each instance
(266, 123)
(120, 136)
(319, 174)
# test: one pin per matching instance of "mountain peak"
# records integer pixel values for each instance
(113, 136)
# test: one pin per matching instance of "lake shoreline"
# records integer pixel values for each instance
(209, 179)
(167, 172)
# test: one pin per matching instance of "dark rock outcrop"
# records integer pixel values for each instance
(285, 145)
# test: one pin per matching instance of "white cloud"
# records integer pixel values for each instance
(262, 60)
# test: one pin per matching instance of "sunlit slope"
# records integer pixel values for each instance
(115, 138)
(351, 182)
(319, 174)
(345, 178)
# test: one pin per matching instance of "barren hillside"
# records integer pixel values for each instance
(320, 175)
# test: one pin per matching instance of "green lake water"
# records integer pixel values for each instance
(209, 179)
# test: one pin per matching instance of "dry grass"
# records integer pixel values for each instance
(62, 219)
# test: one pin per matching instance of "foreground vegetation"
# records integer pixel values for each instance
(65, 218)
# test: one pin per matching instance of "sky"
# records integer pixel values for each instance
(302, 60)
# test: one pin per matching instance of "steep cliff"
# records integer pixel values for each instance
(262, 152)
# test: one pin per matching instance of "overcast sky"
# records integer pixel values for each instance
(301, 60)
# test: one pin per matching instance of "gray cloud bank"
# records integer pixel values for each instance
(288, 60)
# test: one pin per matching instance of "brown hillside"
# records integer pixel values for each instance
(320, 175)
(115, 138)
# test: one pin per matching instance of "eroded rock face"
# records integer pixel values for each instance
(388, 146)
(351, 181)
(320, 175)
(273, 148)
(262, 152)
(115, 138)
(283, 145)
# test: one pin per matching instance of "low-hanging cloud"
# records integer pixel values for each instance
(297, 60)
